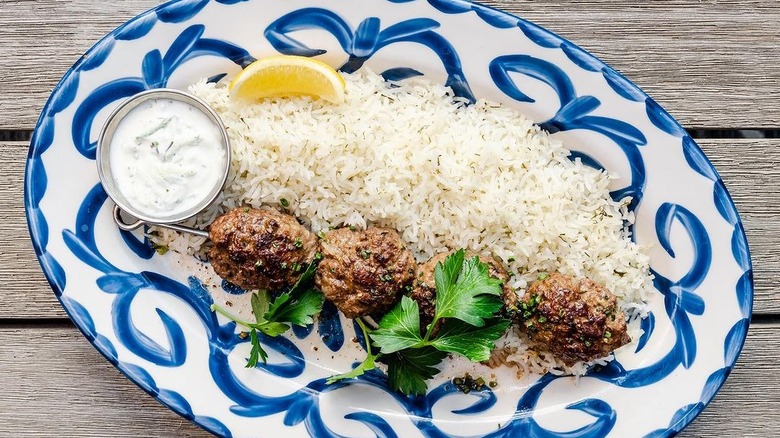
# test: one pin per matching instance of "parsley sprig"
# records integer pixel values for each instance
(367, 364)
(467, 306)
(273, 317)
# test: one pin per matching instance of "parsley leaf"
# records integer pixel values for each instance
(299, 310)
(260, 303)
(367, 365)
(296, 306)
(307, 274)
(465, 290)
(474, 343)
(399, 328)
(467, 304)
(446, 273)
(257, 350)
(407, 370)
(273, 329)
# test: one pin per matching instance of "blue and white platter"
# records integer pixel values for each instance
(151, 318)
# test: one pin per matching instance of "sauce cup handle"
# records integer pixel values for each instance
(120, 222)
(130, 226)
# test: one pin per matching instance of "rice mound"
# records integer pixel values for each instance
(410, 156)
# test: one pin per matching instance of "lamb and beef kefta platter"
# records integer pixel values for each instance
(437, 233)
(447, 231)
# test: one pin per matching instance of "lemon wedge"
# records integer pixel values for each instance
(288, 76)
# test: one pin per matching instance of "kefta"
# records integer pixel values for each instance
(260, 249)
(364, 272)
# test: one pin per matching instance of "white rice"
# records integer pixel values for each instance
(445, 175)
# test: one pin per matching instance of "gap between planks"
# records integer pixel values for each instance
(747, 167)
(718, 70)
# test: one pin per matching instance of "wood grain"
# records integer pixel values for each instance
(749, 171)
(25, 291)
(747, 167)
(63, 387)
(711, 63)
(718, 71)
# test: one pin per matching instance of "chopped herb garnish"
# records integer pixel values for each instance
(284, 265)
(467, 383)
(365, 254)
(352, 228)
(541, 319)
(607, 334)
(285, 203)
(386, 278)
(529, 308)
(297, 243)
(510, 260)
(542, 276)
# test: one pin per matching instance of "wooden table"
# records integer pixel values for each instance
(711, 63)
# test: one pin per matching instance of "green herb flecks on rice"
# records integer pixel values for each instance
(446, 175)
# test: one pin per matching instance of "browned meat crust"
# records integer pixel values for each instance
(364, 272)
(575, 319)
(260, 249)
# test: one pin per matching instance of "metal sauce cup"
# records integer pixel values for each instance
(103, 160)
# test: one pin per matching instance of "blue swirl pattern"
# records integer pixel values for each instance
(680, 301)
(573, 113)
(366, 40)
(289, 32)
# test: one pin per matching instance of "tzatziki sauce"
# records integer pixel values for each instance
(166, 157)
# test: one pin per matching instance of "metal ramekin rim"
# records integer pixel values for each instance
(102, 157)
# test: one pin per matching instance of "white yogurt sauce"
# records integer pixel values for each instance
(166, 157)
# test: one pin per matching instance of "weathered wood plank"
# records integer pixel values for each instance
(746, 405)
(704, 71)
(56, 384)
(41, 40)
(747, 167)
(718, 72)
(24, 289)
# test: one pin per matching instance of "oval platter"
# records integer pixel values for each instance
(151, 318)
